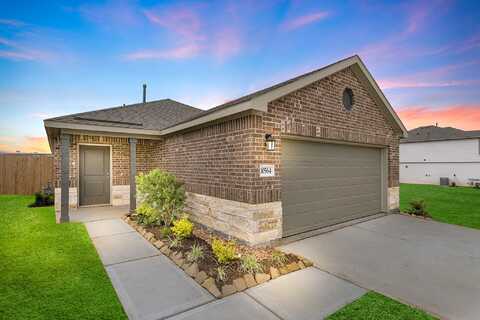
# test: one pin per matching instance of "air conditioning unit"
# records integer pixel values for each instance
(444, 181)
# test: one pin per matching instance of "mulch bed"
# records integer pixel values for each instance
(204, 270)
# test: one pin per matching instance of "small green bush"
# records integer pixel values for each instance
(224, 251)
(43, 199)
(162, 192)
(174, 243)
(221, 273)
(279, 258)
(166, 231)
(418, 208)
(195, 254)
(182, 228)
(147, 215)
(250, 264)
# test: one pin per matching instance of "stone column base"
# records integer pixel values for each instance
(394, 199)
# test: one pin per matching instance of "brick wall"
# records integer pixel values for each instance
(217, 160)
(317, 111)
(120, 157)
(222, 159)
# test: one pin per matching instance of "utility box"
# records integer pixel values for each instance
(444, 181)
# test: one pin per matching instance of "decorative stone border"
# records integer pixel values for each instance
(240, 284)
(414, 216)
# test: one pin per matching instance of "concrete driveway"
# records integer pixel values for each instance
(431, 265)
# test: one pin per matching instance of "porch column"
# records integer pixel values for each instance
(133, 173)
(64, 176)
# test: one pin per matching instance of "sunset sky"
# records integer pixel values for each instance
(61, 57)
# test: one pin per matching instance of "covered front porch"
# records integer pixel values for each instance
(97, 213)
(96, 174)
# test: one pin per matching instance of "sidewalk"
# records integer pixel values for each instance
(151, 287)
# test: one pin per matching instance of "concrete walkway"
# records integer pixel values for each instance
(432, 265)
(151, 287)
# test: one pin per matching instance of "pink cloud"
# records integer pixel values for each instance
(227, 43)
(182, 21)
(118, 13)
(24, 144)
(431, 78)
(397, 46)
(16, 51)
(178, 53)
(304, 20)
(462, 117)
(397, 84)
(191, 35)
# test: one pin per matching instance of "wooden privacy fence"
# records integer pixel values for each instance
(25, 173)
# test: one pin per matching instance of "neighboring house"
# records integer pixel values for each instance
(430, 153)
(335, 155)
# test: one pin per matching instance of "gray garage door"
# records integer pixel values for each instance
(325, 184)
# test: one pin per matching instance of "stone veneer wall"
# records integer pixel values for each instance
(252, 223)
(394, 199)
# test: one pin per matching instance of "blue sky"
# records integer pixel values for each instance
(61, 57)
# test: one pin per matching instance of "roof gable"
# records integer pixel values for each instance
(260, 99)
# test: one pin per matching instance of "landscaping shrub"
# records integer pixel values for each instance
(182, 228)
(224, 251)
(418, 208)
(147, 215)
(195, 254)
(221, 273)
(44, 198)
(250, 264)
(163, 193)
(279, 258)
(166, 231)
(174, 242)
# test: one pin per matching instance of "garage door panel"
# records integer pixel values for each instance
(329, 217)
(316, 207)
(328, 193)
(317, 172)
(324, 184)
(327, 162)
(295, 185)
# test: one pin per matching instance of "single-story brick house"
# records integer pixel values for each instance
(314, 151)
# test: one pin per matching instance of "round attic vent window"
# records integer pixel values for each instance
(348, 98)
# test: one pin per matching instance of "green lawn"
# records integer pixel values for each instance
(455, 205)
(374, 306)
(50, 271)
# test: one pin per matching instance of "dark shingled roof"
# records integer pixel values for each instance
(434, 133)
(154, 115)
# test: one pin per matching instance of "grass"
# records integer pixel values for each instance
(374, 306)
(49, 270)
(454, 205)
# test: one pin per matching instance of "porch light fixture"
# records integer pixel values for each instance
(269, 142)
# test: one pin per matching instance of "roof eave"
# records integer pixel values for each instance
(98, 128)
